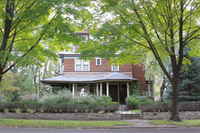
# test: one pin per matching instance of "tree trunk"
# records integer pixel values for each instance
(174, 106)
(1, 76)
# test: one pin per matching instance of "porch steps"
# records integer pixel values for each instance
(123, 108)
(130, 116)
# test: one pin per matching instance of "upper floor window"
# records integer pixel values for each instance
(82, 65)
(98, 61)
(115, 68)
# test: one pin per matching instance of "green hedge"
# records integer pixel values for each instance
(166, 106)
(188, 98)
(134, 102)
(62, 104)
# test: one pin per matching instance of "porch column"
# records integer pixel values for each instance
(97, 89)
(101, 89)
(73, 89)
(128, 93)
(107, 89)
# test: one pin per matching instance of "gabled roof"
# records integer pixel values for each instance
(89, 77)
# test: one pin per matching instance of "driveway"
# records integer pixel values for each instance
(127, 130)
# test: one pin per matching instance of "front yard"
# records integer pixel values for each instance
(59, 123)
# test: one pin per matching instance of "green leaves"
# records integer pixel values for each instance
(39, 29)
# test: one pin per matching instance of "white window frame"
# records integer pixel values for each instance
(99, 62)
(115, 68)
(82, 64)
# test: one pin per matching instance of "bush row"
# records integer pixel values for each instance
(165, 107)
(60, 103)
(134, 102)
(188, 98)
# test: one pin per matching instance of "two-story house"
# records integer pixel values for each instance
(97, 77)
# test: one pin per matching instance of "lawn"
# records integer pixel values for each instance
(58, 123)
(136, 111)
(188, 123)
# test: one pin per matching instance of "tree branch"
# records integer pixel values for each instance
(30, 49)
(149, 41)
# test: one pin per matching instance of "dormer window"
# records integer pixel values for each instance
(115, 68)
(98, 61)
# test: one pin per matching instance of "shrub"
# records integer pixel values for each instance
(156, 107)
(134, 102)
(18, 111)
(31, 111)
(62, 102)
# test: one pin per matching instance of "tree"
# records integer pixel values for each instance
(31, 30)
(190, 85)
(136, 27)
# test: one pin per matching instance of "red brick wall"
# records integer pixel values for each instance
(139, 73)
(68, 65)
(104, 67)
(136, 69)
(125, 68)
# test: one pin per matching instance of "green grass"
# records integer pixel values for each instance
(136, 111)
(188, 123)
(58, 123)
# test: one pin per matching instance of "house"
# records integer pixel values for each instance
(98, 77)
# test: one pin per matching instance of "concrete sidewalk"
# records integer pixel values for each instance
(146, 124)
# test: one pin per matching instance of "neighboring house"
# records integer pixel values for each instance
(98, 77)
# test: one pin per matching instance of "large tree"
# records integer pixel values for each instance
(31, 30)
(163, 28)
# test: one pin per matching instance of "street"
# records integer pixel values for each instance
(127, 130)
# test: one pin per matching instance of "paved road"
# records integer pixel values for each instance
(127, 130)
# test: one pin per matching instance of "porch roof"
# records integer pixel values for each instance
(89, 77)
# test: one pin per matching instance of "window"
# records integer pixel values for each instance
(82, 65)
(98, 61)
(115, 68)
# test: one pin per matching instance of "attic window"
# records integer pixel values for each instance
(98, 61)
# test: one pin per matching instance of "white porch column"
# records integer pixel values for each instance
(97, 89)
(73, 89)
(107, 89)
(101, 89)
(128, 89)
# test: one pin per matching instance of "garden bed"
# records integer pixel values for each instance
(61, 103)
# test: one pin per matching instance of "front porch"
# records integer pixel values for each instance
(115, 85)
(118, 91)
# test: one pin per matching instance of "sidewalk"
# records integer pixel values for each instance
(136, 123)
(147, 124)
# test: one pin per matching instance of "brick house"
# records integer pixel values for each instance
(98, 77)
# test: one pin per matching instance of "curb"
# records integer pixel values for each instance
(112, 127)
(120, 127)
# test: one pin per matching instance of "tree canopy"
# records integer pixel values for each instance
(33, 30)
(163, 28)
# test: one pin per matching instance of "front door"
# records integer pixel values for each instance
(118, 92)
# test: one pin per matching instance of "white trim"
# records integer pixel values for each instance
(73, 90)
(100, 61)
(97, 89)
(128, 87)
(101, 89)
(71, 57)
(107, 89)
